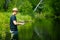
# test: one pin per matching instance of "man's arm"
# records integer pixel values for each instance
(16, 23)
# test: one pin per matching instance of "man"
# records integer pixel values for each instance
(13, 25)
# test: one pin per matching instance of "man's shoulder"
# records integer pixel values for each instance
(13, 17)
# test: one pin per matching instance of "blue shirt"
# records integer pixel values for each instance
(12, 26)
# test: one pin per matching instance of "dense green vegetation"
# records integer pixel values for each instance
(45, 21)
(25, 31)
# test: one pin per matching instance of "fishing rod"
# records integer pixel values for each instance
(35, 28)
(38, 5)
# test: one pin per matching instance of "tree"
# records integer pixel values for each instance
(1, 4)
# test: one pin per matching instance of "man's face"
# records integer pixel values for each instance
(15, 12)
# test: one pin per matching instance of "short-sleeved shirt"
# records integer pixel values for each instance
(12, 26)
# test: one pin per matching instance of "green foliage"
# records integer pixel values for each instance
(1, 4)
(12, 4)
(26, 8)
(25, 32)
(34, 3)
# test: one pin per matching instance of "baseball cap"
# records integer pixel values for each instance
(15, 9)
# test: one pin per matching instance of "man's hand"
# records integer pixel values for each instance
(25, 21)
(28, 21)
(21, 23)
